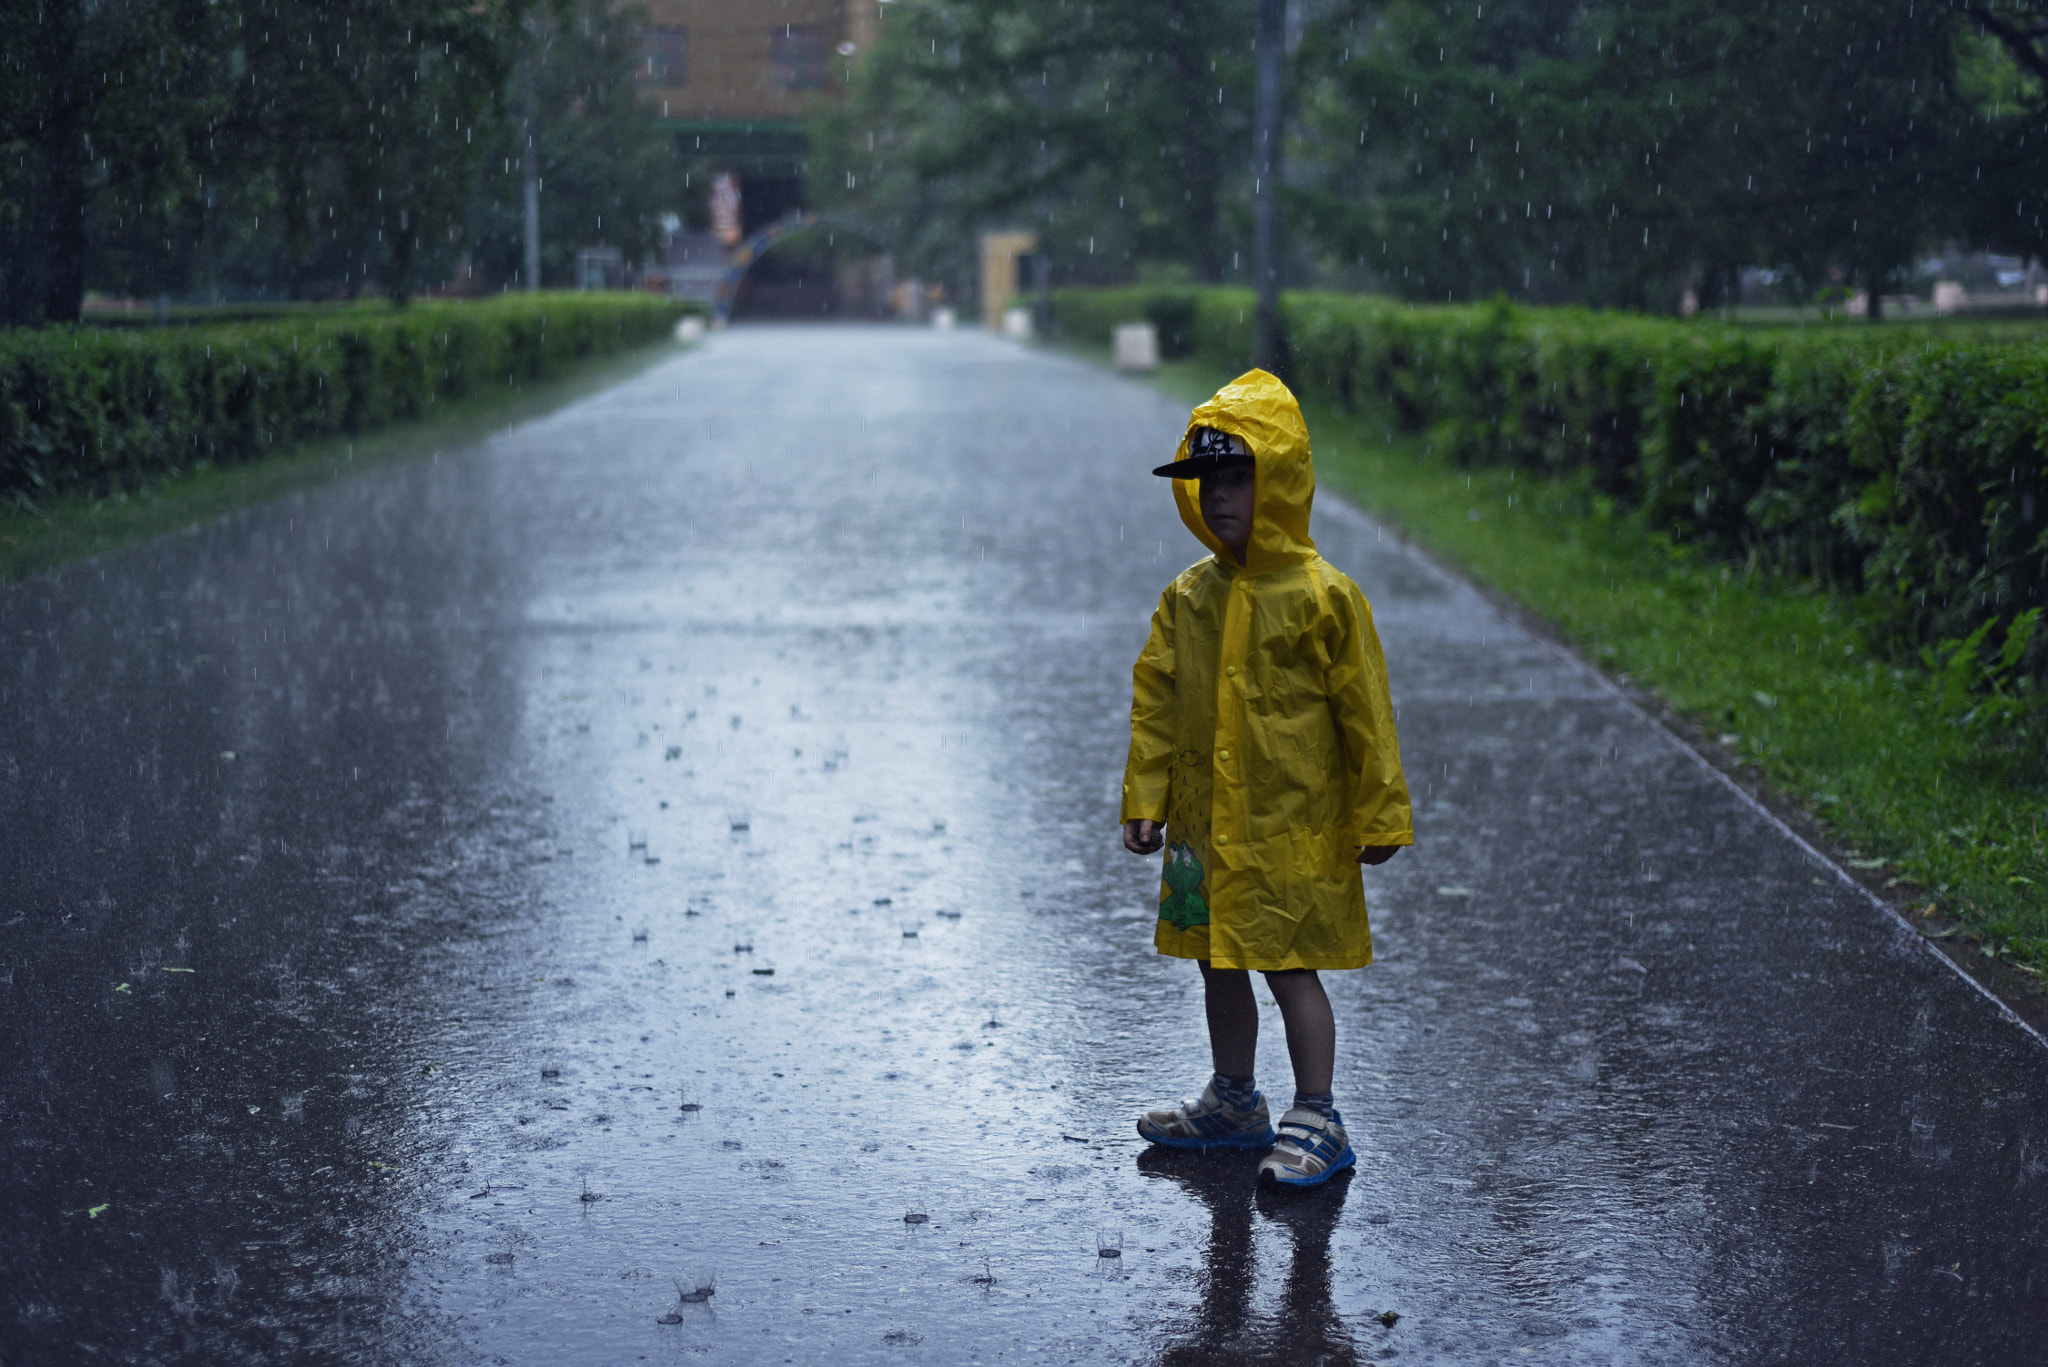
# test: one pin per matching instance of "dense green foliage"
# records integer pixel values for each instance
(1601, 152)
(1902, 466)
(1611, 153)
(76, 83)
(607, 172)
(312, 149)
(337, 152)
(93, 411)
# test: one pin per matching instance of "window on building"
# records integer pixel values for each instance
(664, 57)
(799, 54)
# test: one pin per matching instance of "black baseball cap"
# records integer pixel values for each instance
(1208, 452)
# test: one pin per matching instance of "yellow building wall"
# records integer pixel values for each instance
(999, 253)
(731, 67)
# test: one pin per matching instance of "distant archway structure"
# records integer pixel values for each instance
(755, 247)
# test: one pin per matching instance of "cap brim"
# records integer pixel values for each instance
(1201, 467)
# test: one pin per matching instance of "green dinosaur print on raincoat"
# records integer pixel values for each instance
(1183, 871)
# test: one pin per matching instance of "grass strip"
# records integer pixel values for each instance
(77, 526)
(1783, 672)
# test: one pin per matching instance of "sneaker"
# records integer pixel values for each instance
(1312, 1148)
(1210, 1122)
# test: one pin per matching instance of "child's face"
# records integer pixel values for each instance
(1227, 498)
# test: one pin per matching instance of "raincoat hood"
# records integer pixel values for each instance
(1260, 411)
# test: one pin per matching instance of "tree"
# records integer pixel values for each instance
(2020, 27)
(360, 127)
(607, 172)
(99, 106)
(157, 144)
(1607, 153)
(2002, 73)
(1120, 130)
(1861, 158)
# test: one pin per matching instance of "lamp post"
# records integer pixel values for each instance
(1266, 343)
(529, 161)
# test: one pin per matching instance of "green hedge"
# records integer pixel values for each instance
(1902, 461)
(85, 409)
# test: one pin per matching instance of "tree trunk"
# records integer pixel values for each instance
(1198, 181)
(300, 234)
(1266, 340)
(1194, 143)
(63, 222)
(20, 299)
(55, 221)
(529, 175)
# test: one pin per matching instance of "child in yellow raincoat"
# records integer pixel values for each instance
(1263, 740)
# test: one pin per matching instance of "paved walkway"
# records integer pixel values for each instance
(674, 841)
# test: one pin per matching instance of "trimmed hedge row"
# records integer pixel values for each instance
(1907, 463)
(85, 409)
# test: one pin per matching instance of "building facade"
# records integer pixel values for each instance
(732, 81)
(750, 61)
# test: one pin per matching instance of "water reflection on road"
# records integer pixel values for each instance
(673, 843)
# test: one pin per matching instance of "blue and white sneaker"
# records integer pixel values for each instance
(1312, 1148)
(1210, 1122)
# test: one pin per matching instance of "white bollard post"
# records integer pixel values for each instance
(1137, 346)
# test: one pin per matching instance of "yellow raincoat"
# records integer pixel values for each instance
(1261, 732)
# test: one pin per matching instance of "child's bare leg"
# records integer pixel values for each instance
(1311, 1028)
(1229, 1114)
(1233, 1019)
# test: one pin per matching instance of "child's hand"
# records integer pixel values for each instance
(1377, 854)
(1142, 837)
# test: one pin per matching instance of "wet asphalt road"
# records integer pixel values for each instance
(674, 840)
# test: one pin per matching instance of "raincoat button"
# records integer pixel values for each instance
(1223, 840)
(1231, 670)
(1245, 585)
(1223, 754)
